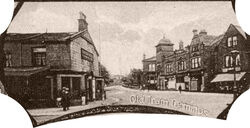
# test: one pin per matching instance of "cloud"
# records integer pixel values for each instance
(130, 36)
(110, 31)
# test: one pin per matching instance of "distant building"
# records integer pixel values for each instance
(38, 65)
(149, 72)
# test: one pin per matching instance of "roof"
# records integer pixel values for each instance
(202, 38)
(47, 37)
(242, 32)
(217, 40)
(150, 59)
(228, 77)
(164, 41)
(24, 71)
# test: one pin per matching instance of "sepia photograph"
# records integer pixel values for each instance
(71, 59)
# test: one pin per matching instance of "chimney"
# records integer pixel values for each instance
(181, 47)
(203, 32)
(82, 23)
(195, 31)
(144, 56)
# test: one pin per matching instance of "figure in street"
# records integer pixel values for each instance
(179, 88)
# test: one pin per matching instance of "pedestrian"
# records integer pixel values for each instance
(179, 88)
(64, 99)
(67, 99)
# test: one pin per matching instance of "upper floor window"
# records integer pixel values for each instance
(195, 48)
(8, 57)
(228, 61)
(196, 62)
(151, 67)
(238, 60)
(235, 40)
(39, 56)
(229, 41)
(169, 68)
(181, 65)
(232, 41)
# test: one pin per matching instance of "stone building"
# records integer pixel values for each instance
(38, 65)
(149, 71)
(226, 64)
(164, 48)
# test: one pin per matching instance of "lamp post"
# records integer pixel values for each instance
(234, 54)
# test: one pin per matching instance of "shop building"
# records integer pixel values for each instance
(39, 65)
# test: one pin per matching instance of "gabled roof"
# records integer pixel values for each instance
(64, 36)
(217, 40)
(150, 59)
(241, 31)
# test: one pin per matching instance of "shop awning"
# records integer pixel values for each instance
(24, 71)
(228, 77)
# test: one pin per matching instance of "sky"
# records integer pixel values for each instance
(124, 31)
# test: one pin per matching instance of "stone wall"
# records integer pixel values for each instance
(77, 63)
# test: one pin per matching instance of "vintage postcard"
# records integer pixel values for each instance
(70, 59)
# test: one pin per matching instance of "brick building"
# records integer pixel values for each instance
(206, 61)
(38, 65)
(234, 39)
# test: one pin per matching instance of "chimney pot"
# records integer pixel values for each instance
(203, 32)
(82, 23)
(195, 31)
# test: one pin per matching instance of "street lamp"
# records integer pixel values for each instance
(234, 54)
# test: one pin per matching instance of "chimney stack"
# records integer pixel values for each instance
(181, 47)
(203, 32)
(195, 31)
(144, 56)
(82, 23)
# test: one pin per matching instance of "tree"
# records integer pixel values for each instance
(135, 76)
(2, 55)
(105, 74)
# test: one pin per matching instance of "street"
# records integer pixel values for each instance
(193, 103)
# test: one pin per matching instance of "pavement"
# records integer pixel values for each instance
(193, 103)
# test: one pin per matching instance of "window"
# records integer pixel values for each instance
(169, 67)
(235, 40)
(229, 61)
(238, 60)
(39, 56)
(181, 65)
(196, 62)
(151, 67)
(8, 57)
(195, 48)
(229, 42)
